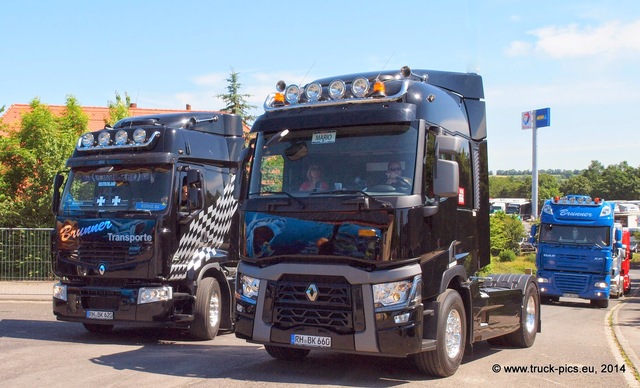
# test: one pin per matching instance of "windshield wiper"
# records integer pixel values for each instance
(365, 194)
(281, 192)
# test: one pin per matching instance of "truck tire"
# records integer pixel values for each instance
(287, 354)
(97, 328)
(207, 310)
(525, 336)
(451, 338)
(600, 303)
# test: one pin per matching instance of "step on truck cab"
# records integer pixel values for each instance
(579, 250)
(144, 224)
(365, 218)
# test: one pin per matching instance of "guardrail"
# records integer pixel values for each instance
(25, 254)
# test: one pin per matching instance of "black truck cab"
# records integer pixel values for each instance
(380, 256)
(144, 224)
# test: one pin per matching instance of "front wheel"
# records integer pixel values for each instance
(207, 310)
(451, 338)
(600, 303)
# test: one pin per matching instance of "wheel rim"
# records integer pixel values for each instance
(453, 335)
(531, 314)
(214, 307)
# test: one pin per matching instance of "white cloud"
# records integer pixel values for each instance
(610, 39)
(518, 49)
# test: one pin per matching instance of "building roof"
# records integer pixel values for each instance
(98, 115)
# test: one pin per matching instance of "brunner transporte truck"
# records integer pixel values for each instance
(360, 264)
(580, 250)
(144, 224)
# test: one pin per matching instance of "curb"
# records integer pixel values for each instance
(622, 346)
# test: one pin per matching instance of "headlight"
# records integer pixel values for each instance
(87, 140)
(154, 294)
(543, 280)
(139, 135)
(104, 138)
(313, 92)
(360, 87)
(292, 93)
(394, 295)
(601, 284)
(248, 288)
(60, 291)
(121, 137)
(337, 89)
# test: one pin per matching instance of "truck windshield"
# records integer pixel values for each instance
(116, 188)
(571, 235)
(377, 160)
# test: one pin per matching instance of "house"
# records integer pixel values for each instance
(12, 117)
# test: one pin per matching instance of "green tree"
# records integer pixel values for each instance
(506, 231)
(548, 187)
(30, 157)
(236, 102)
(119, 109)
(578, 184)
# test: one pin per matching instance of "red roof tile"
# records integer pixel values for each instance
(97, 115)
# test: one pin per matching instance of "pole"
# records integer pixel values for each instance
(534, 171)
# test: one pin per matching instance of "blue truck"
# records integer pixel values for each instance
(578, 244)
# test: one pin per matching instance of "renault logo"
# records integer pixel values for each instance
(102, 267)
(312, 292)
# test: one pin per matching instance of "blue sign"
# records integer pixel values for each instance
(543, 117)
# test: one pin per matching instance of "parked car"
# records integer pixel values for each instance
(526, 246)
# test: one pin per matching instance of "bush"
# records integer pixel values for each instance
(507, 256)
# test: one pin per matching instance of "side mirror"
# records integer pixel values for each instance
(194, 182)
(55, 200)
(446, 176)
(447, 180)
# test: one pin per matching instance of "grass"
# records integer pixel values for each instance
(519, 265)
(528, 261)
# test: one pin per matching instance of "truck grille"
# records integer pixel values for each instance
(332, 307)
(115, 253)
(100, 299)
(572, 284)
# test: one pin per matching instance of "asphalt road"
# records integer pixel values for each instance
(574, 349)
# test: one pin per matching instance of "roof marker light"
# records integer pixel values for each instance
(378, 89)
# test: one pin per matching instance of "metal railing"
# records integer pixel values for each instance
(25, 254)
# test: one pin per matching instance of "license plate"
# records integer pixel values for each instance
(310, 340)
(570, 295)
(103, 315)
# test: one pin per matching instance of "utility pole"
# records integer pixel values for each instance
(532, 120)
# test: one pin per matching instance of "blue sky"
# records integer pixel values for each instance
(579, 58)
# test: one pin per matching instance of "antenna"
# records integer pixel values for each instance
(385, 64)
(305, 76)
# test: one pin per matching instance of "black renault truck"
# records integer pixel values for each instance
(381, 256)
(144, 219)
